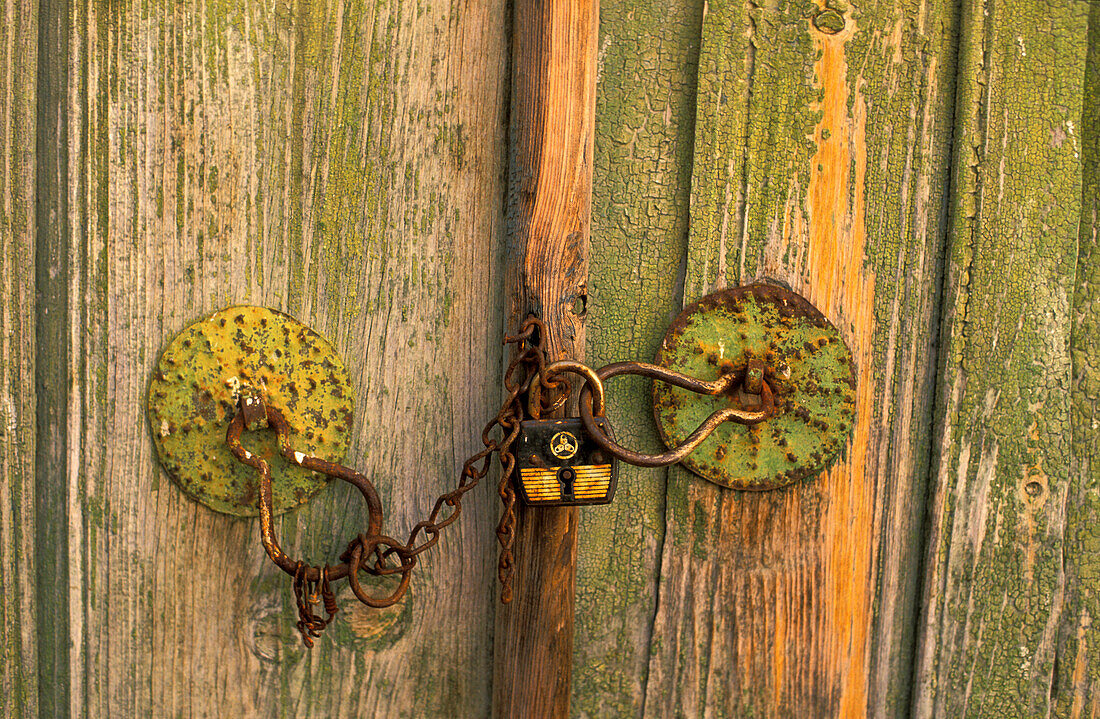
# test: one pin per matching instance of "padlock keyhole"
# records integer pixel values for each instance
(566, 477)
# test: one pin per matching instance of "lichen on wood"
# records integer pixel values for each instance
(283, 154)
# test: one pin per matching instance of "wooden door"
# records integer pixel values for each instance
(338, 161)
(925, 172)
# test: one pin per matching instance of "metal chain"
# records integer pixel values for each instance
(307, 594)
(527, 372)
(371, 551)
(528, 361)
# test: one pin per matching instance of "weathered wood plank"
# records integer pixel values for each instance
(1076, 690)
(343, 162)
(995, 582)
(548, 220)
(821, 160)
(645, 121)
(51, 375)
(18, 126)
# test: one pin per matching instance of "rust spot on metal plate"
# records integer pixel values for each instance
(195, 389)
(808, 366)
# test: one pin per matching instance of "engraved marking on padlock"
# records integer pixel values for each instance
(564, 445)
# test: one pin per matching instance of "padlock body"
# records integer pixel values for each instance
(559, 465)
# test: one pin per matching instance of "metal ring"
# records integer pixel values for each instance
(591, 379)
(559, 401)
(355, 561)
(680, 380)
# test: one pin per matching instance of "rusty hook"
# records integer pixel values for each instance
(267, 532)
(725, 383)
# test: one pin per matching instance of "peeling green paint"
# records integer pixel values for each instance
(996, 570)
(762, 150)
(1076, 685)
(642, 166)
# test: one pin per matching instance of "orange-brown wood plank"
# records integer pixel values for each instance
(548, 212)
(821, 160)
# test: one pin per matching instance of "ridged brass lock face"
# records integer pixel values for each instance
(560, 465)
(770, 336)
(202, 376)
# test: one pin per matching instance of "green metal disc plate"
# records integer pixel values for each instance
(193, 397)
(814, 408)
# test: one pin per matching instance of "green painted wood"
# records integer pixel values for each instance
(821, 160)
(342, 162)
(1005, 462)
(18, 116)
(644, 133)
(1076, 682)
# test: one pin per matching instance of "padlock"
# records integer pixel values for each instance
(559, 463)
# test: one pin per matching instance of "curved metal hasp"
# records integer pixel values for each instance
(749, 378)
(355, 558)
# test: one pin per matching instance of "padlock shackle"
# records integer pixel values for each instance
(591, 379)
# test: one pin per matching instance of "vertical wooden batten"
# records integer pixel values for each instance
(547, 216)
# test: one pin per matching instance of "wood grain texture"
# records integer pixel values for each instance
(346, 162)
(645, 120)
(340, 161)
(821, 160)
(1076, 683)
(548, 219)
(18, 118)
(53, 384)
(996, 580)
